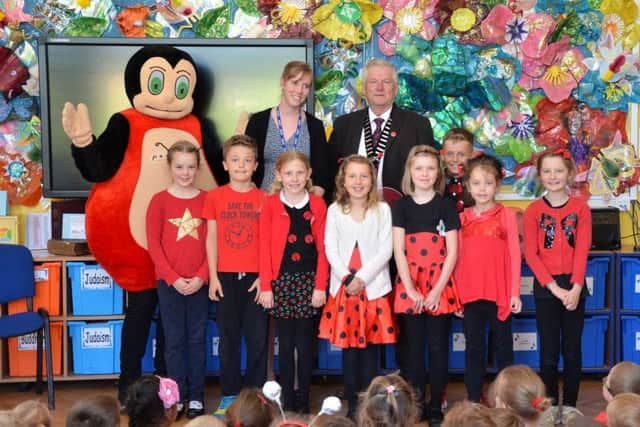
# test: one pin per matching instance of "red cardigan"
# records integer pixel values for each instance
(559, 257)
(274, 228)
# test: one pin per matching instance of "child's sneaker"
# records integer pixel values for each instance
(196, 408)
(179, 410)
(225, 402)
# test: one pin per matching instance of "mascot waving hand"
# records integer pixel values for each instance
(128, 165)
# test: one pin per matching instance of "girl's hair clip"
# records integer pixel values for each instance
(272, 391)
(562, 152)
(237, 424)
(391, 389)
(536, 402)
(168, 392)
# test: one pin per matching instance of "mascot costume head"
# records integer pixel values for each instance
(127, 162)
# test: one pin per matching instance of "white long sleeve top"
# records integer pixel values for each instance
(373, 235)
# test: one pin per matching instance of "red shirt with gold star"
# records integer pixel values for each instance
(176, 236)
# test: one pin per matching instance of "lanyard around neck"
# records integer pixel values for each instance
(296, 138)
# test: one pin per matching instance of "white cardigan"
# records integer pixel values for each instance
(374, 239)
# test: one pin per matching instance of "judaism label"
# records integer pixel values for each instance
(589, 281)
(215, 342)
(95, 278)
(97, 337)
(28, 342)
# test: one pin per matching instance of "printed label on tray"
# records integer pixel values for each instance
(276, 346)
(459, 343)
(589, 281)
(215, 342)
(28, 342)
(97, 337)
(95, 279)
(41, 275)
(637, 287)
(526, 285)
(637, 341)
(334, 348)
(525, 341)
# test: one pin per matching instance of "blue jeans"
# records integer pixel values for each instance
(184, 320)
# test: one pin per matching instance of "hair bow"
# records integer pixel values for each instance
(562, 152)
(536, 402)
(168, 392)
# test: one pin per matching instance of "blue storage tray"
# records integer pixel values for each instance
(596, 281)
(526, 343)
(93, 291)
(526, 288)
(96, 346)
(148, 364)
(329, 356)
(630, 272)
(213, 356)
(630, 336)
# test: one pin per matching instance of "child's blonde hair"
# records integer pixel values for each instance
(250, 409)
(566, 158)
(286, 157)
(468, 414)
(342, 196)
(408, 187)
(624, 411)
(183, 147)
(458, 134)
(521, 390)
(624, 377)
(30, 413)
(94, 411)
(389, 401)
(239, 141)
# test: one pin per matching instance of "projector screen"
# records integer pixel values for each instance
(234, 76)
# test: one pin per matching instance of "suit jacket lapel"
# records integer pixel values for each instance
(396, 124)
(355, 131)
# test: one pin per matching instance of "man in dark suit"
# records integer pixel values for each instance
(383, 132)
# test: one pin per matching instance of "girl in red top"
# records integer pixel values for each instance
(425, 240)
(488, 272)
(557, 239)
(293, 270)
(176, 236)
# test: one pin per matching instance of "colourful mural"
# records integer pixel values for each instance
(522, 75)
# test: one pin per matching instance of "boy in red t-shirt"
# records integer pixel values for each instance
(232, 253)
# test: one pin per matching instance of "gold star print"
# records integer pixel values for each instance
(187, 225)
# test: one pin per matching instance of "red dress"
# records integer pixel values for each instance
(352, 321)
(426, 253)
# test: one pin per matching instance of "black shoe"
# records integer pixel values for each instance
(435, 417)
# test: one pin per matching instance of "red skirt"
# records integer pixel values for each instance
(352, 321)
(426, 253)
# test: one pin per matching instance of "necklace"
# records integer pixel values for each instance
(296, 137)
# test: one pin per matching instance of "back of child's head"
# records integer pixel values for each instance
(468, 414)
(287, 157)
(206, 421)
(33, 414)
(624, 411)
(562, 154)
(519, 388)
(183, 146)
(342, 196)
(9, 419)
(94, 411)
(458, 134)
(334, 420)
(145, 408)
(239, 141)
(624, 377)
(389, 401)
(487, 163)
(504, 417)
(250, 409)
(417, 151)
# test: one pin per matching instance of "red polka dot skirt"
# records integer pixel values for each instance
(426, 253)
(352, 321)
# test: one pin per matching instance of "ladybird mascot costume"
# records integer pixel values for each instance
(128, 165)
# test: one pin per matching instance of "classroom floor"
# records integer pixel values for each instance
(590, 401)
